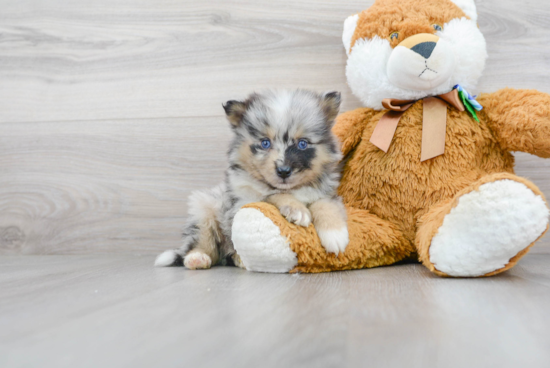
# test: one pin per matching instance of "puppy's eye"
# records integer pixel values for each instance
(394, 36)
(266, 143)
(437, 27)
(302, 144)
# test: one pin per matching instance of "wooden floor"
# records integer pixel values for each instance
(116, 311)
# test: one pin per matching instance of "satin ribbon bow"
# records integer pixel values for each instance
(434, 122)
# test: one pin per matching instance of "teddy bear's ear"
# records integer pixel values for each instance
(349, 29)
(468, 7)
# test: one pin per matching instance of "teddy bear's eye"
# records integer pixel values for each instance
(394, 36)
(437, 27)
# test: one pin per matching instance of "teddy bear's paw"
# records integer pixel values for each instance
(334, 240)
(296, 215)
(260, 244)
(197, 261)
(487, 228)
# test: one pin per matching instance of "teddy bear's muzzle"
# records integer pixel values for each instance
(421, 62)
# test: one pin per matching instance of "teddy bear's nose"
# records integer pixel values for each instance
(425, 49)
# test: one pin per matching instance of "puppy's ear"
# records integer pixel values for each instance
(235, 111)
(330, 103)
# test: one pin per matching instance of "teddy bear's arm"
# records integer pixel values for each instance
(520, 119)
(349, 127)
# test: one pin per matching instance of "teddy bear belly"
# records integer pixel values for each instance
(397, 187)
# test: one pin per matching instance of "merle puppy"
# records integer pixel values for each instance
(283, 152)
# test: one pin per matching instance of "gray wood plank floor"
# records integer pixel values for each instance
(110, 110)
(118, 311)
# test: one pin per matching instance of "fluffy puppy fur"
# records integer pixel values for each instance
(283, 152)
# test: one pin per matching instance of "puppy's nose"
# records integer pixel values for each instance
(424, 49)
(284, 171)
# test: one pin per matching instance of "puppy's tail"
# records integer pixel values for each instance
(169, 258)
(202, 230)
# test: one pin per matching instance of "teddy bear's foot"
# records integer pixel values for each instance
(259, 243)
(485, 229)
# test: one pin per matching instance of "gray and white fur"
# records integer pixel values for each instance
(283, 153)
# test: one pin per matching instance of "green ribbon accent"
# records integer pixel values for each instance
(468, 105)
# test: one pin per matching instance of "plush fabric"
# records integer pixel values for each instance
(377, 68)
(462, 214)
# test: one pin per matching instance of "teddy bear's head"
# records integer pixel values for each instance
(410, 49)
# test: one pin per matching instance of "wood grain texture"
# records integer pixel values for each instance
(104, 186)
(110, 111)
(118, 311)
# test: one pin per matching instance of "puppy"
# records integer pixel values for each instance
(283, 152)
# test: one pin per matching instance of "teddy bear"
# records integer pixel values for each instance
(428, 173)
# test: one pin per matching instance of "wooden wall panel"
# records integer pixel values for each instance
(110, 111)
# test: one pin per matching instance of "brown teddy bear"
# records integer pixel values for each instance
(428, 171)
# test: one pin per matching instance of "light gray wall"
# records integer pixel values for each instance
(110, 110)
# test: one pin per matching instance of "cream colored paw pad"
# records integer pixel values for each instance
(196, 261)
(259, 243)
(487, 228)
(335, 240)
(300, 217)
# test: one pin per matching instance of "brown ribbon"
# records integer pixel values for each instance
(434, 122)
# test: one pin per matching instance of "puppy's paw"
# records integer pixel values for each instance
(297, 215)
(197, 260)
(237, 261)
(334, 240)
